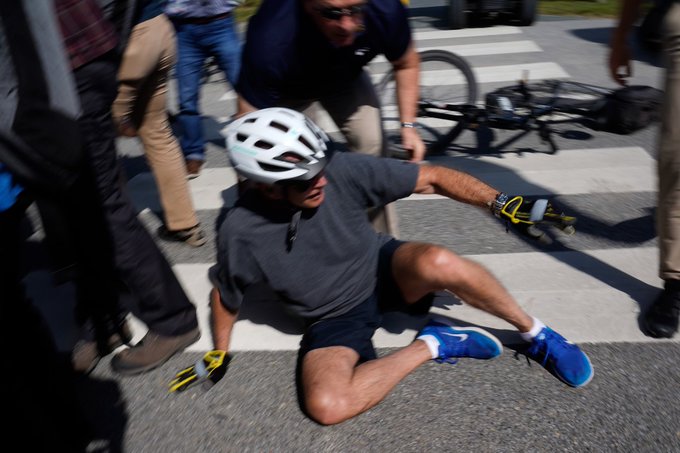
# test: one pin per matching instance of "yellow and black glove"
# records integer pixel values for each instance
(209, 370)
(524, 214)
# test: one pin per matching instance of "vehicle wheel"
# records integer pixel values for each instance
(444, 78)
(457, 19)
(526, 14)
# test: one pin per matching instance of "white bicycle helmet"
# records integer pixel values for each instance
(276, 144)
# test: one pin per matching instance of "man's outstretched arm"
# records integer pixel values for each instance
(454, 184)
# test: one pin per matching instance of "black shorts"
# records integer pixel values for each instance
(355, 328)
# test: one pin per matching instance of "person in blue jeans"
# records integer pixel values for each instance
(203, 29)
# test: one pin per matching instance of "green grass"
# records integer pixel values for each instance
(586, 8)
(245, 10)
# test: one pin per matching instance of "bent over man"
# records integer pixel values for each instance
(301, 51)
(302, 229)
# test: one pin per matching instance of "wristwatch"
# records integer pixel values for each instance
(498, 203)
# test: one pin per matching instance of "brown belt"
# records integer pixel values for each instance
(201, 20)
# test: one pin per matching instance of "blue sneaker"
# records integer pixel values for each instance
(561, 357)
(456, 342)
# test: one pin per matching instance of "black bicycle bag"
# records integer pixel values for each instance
(630, 108)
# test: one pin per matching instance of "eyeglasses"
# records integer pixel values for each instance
(331, 13)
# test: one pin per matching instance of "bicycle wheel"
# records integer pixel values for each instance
(445, 78)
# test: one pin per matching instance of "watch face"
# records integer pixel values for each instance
(499, 202)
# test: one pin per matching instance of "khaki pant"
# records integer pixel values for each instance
(142, 92)
(668, 212)
(356, 112)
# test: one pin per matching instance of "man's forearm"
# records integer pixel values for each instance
(223, 322)
(630, 10)
(454, 184)
(406, 75)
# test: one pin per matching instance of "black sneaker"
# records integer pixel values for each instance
(193, 236)
(661, 320)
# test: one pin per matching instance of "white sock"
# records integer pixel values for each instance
(535, 329)
(432, 344)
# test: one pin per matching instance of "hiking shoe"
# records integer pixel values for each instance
(661, 320)
(561, 357)
(193, 236)
(457, 342)
(86, 355)
(194, 168)
(151, 351)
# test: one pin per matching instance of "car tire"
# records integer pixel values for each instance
(457, 19)
(527, 12)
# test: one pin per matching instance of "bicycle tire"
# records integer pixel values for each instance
(444, 78)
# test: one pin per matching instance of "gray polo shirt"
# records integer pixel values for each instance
(331, 266)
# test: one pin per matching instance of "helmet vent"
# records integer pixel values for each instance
(263, 144)
(279, 126)
(241, 137)
(306, 143)
(272, 168)
(289, 156)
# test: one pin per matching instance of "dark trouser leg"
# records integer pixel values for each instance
(161, 302)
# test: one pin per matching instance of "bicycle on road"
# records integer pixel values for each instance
(448, 105)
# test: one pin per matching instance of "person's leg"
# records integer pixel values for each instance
(336, 388)
(190, 59)
(223, 43)
(419, 269)
(340, 374)
(153, 43)
(161, 302)
(662, 319)
(356, 111)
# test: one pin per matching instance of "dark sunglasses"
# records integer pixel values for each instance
(302, 186)
(331, 13)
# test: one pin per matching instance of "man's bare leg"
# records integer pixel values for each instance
(335, 388)
(421, 268)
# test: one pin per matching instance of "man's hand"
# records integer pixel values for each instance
(524, 214)
(411, 141)
(620, 67)
(210, 369)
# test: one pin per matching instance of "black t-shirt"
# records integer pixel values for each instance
(285, 55)
(331, 267)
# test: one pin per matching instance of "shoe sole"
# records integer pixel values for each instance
(151, 366)
(164, 235)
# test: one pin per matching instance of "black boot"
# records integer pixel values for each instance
(661, 320)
